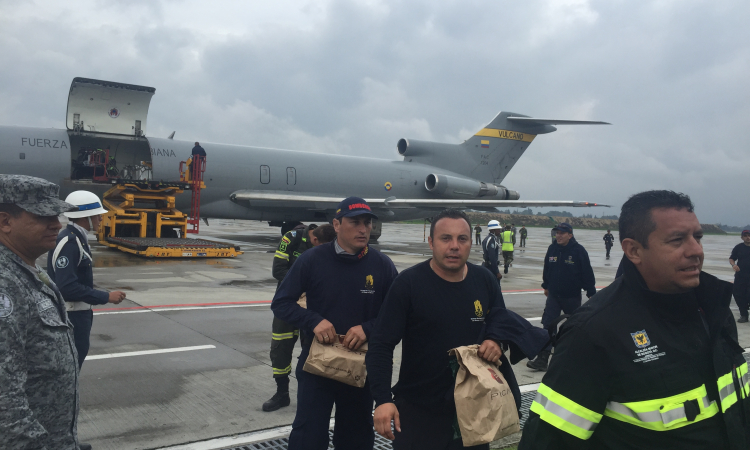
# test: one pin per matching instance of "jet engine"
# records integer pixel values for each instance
(456, 187)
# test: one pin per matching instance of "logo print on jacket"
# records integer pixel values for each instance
(641, 339)
(369, 282)
(478, 308)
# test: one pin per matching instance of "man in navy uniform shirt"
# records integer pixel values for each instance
(740, 261)
(440, 304)
(346, 282)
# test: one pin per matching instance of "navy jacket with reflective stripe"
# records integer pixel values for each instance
(628, 344)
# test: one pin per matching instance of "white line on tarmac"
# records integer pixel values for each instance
(237, 440)
(149, 352)
(178, 309)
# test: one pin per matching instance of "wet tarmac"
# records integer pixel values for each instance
(185, 357)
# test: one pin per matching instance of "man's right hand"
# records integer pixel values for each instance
(499, 276)
(325, 332)
(546, 293)
(384, 414)
(116, 297)
(736, 268)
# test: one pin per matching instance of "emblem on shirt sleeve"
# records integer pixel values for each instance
(62, 262)
(6, 306)
(478, 308)
(641, 339)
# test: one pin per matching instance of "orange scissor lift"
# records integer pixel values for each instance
(142, 218)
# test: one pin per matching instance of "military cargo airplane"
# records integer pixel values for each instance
(266, 184)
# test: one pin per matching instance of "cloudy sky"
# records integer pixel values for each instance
(354, 76)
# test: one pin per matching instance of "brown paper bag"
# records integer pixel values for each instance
(302, 300)
(337, 362)
(485, 406)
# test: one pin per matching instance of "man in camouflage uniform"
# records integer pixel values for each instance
(39, 376)
(284, 335)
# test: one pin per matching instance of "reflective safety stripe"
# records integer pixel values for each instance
(283, 336)
(728, 392)
(281, 255)
(284, 371)
(564, 414)
(663, 414)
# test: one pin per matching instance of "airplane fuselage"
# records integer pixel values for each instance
(47, 153)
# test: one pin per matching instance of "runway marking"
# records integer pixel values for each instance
(529, 387)
(186, 307)
(149, 352)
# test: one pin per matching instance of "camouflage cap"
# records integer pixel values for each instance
(35, 195)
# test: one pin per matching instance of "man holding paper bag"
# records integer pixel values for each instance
(433, 307)
(346, 282)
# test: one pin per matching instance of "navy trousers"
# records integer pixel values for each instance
(427, 429)
(82, 321)
(556, 305)
(741, 293)
(315, 399)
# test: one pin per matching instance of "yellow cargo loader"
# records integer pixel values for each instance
(142, 219)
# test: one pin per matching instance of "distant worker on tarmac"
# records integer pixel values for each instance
(345, 282)
(567, 270)
(523, 232)
(478, 233)
(491, 249)
(38, 370)
(284, 336)
(651, 362)
(70, 266)
(609, 240)
(507, 239)
(740, 261)
(554, 236)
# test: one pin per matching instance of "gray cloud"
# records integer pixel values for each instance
(355, 76)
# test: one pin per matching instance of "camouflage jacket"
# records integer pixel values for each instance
(38, 368)
(291, 246)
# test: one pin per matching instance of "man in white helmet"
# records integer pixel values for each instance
(69, 265)
(490, 248)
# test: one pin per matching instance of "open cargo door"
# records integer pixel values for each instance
(107, 107)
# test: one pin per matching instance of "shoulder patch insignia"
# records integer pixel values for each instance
(641, 339)
(294, 234)
(6, 306)
(62, 262)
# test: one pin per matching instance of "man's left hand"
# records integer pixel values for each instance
(490, 351)
(355, 337)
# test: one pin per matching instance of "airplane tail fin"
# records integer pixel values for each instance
(492, 152)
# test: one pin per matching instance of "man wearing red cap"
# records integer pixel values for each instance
(346, 282)
(740, 261)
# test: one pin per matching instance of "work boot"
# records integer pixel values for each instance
(84, 446)
(742, 319)
(278, 401)
(540, 363)
(506, 269)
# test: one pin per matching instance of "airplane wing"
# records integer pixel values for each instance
(534, 121)
(315, 202)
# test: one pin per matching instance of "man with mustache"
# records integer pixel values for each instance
(38, 366)
(652, 360)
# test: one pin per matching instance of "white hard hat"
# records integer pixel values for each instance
(87, 202)
(493, 225)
